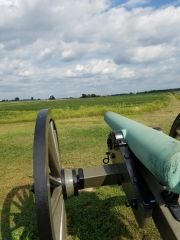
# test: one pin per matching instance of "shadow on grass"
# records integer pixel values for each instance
(91, 217)
(18, 220)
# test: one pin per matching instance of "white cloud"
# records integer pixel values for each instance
(79, 45)
(68, 54)
(151, 53)
(134, 3)
(26, 73)
(46, 52)
(94, 67)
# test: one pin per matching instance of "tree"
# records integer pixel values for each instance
(89, 95)
(83, 95)
(16, 99)
(52, 97)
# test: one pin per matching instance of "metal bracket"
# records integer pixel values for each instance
(171, 200)
(138, 197)
(115, 140)
(106, 159)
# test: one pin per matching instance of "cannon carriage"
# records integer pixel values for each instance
(143, 160)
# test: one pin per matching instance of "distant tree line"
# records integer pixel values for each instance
(89, 95)
(93, 95)
(16, 99)
(172, 90)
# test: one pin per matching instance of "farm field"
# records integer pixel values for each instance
(96, 214)
(78, 108)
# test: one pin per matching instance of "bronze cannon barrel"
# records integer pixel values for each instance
(158, 152)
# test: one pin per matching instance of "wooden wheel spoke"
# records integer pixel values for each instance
(178, 131)
(53, 151)
(58, 213)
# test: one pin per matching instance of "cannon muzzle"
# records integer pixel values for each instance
(158, 152)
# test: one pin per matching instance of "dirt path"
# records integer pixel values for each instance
(164, 117)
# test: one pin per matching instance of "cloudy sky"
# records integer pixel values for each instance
(69, 47)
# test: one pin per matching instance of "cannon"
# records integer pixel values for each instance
(145, 161)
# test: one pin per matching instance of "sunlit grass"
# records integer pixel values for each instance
(83, 143)
(100, 214)
(177, 95)
(78, 108)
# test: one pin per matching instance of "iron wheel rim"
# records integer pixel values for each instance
(51, 216)
(175, 129)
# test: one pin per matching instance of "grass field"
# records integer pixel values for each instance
(96, 214)
(177, 95)
(78, 108)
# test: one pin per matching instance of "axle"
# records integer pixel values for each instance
(72, 180)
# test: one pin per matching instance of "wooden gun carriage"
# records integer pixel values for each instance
(145, 161)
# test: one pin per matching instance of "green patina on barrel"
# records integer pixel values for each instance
(156, 150)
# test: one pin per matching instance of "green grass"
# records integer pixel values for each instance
(177, 95)
(127, 100)
(102, 215)
(78, 108)
(99, 214)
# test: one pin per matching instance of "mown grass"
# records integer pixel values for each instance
(99, 214)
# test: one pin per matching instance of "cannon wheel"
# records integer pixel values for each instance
(51, 215)
(175, 129)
